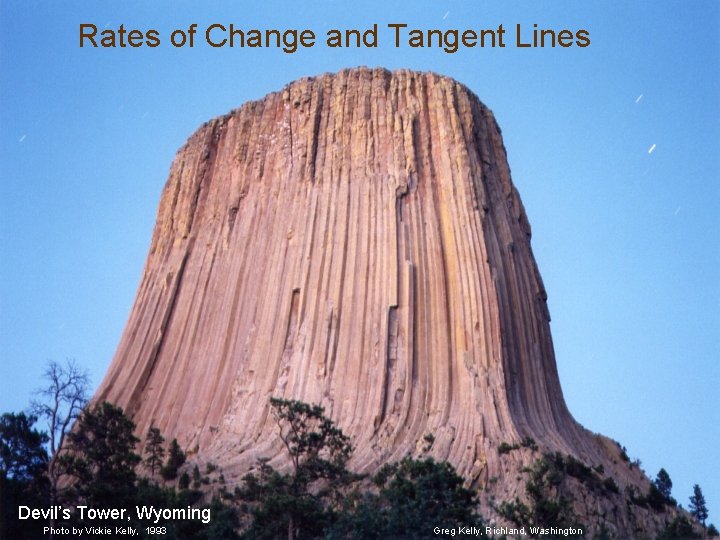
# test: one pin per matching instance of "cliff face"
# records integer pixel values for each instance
(354, 240)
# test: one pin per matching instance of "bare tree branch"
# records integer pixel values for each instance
(60, 403)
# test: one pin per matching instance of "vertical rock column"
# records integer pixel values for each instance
(353, 240)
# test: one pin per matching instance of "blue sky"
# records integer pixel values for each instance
(627, 239)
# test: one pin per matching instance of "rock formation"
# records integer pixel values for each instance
(353, 240)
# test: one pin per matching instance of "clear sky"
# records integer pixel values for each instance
(615, 149)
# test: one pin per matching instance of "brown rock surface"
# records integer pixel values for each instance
(354, 240)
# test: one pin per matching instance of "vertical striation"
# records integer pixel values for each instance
(354, 240)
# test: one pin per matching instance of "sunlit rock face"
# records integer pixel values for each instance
(353, 240)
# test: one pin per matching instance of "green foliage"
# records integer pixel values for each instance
(176, 459)
(283, 509)
(184, 481)
(300, 504)
(317, 498)
(575, 467)
(655, 499)
(22, 455)
(590, 477)
(102, 461)
(678, 529)
(196, 478)
(634, 497)
(317, 448)
(414, 496)
(529, 442)
(95, 463)
(506, 448)
(610, 485)
(429, 439)
(712, 532)
(660, 491)
(571, 466)
(663, 483)
(154, 450)
(526, 442)
(603, 533)
(221, 526)
(623, 452)
(547, 505)
(23, 462)
(320, 498)
(101, 457)
(698, 508)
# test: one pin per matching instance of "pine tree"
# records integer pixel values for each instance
(101, 457)
(23, 464)
(22, 456)
(175, 460)
(196, 478)
(663, 483)
(319, 497)
(293, 505)
(154, 449)
(414, 496)
(698, 508)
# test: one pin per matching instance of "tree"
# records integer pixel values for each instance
(680, 527)
(548, 506)
(23, 461)
(22, 455)
(712, 531)
(317, 448)
(154, 449)
(184, 481)
(101, 460)
(302, 503)
(60, 403)
(420, 491)
(698, 508)
(655, 499)
(283, 508)
(176, 459)
(319, 497)
(414, 497)
(196, 478)
(663, 483)
(223, 524)
(101, 457)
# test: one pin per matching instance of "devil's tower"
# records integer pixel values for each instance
(354, 240)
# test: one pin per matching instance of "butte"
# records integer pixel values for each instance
(354, 240)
